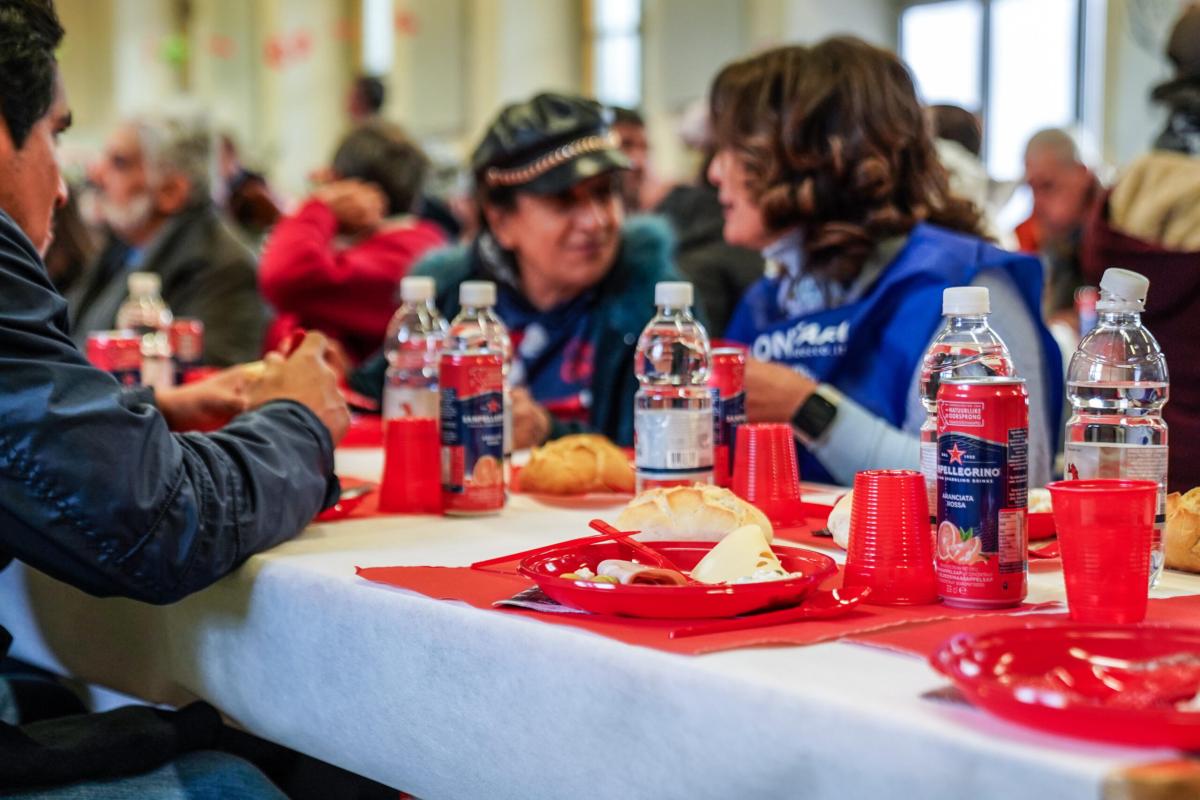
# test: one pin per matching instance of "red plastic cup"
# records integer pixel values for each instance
(411, 467)
(890, 549)
(1105, 527)
(766, 473)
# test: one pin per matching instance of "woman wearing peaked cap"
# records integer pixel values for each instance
(575, 280)
(824, 162)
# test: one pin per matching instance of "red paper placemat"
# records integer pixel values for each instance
(922, 640)
(482, 589)
(358, 508)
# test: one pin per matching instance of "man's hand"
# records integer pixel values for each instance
(305, 377)
(773, 392)
(531, 422)
(358, 206)
(206, 404)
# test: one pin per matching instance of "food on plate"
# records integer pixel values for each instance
(577, 464)
(1183, 531)
(838, 523)
(1039, 501)
(585, 574)
(614, 570)
(631, 572)
(743, 554)
(693, 513)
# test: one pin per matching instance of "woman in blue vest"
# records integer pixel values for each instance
(824, 163)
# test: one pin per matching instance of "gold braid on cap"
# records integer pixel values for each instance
(516, 176)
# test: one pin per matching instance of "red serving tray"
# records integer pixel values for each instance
(1046, 677)
(670, 602)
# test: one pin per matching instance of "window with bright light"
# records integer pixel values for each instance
(1032, 77)
(378, 37)
(1029, 81)
(616, 37)
(942, 43)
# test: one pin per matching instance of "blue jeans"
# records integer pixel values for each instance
(197, 776)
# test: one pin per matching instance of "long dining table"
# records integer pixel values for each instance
(444, 700)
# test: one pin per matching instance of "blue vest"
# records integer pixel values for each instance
(869, 349)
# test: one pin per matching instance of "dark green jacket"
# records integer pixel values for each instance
(624, 304)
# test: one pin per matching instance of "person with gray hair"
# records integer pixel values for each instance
(1064, 191)
(153, 186)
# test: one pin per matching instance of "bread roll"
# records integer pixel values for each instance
(838, 523)
(1183, 531)
(690, 513)
(577, 464)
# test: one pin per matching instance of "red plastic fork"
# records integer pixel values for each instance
(647, 552)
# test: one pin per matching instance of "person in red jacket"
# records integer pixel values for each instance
(335, 264)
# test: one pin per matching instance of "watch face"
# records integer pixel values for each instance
(814, 416)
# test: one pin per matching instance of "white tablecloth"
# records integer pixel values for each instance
(447, 701)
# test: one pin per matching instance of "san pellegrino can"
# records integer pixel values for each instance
(472, 431)
(727, 379)
(982, 489)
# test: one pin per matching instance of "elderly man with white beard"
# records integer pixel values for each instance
(153, 193)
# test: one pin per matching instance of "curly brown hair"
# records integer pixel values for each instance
(836, 144)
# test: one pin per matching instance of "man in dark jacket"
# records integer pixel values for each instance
(154, 196)
(95, 490)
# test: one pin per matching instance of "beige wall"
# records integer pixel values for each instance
(446, 82)
(688, 41)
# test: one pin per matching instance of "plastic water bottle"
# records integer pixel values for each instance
(1086, 298)
(673, 414)
(145, 315)
(478, 328)
(414, 341)
(1117, 384)
(965, 347)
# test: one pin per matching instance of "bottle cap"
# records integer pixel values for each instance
(416, 289)
(144, 283)
(965, 301)
(1123, 290)
(676, 294)
(477, 293)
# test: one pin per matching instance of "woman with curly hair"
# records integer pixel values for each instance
(824, 162)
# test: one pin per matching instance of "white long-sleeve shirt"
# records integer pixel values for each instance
(857, 439)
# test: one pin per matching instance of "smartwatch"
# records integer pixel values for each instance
(815, 415)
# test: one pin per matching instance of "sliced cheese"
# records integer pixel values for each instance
(741, 553)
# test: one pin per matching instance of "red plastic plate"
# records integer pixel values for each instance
(671, 602)
(1061, 679)
(1041, 525)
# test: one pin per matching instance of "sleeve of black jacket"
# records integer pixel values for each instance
(95, 491)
